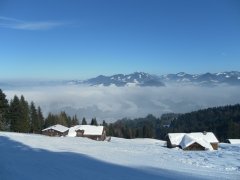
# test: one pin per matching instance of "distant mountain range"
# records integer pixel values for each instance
(145, 79)
(139, 79)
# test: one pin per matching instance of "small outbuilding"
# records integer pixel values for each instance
(56, 130)
(89, 131)
(233, 141)
(193, 141)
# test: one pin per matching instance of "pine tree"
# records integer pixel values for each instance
(50, 120)
(4, 107)
(34, 121)
(63, 119)
(15, 114)
(94, 122)
(40, 118)
(104, 123)
(75, 120)
(25, 118)
(84, 122)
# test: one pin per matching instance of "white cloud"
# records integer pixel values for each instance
(12, 23)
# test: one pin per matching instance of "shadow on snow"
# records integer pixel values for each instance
(21, 162)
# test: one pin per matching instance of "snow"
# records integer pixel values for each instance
(135, 81)
(88, 130)
(234, 141)
(38, 157)
(57, 127)
(176, 138)
(227, 76)
(181, 74)
(218, 74)
(185, 80)
(239, 78)
(208, 137)
(187, 140)
(131, 84)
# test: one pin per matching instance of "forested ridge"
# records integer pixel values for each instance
(224, 122)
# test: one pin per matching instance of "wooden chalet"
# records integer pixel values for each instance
(193, 141)
(56, 130)
(93, 132)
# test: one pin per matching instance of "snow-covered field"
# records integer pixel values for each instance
(37, 157)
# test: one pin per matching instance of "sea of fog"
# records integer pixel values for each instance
(113, 103)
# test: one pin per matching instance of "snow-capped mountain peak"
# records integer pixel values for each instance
(145, 79)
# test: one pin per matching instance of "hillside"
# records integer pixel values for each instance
(223, 121)
(27, 157)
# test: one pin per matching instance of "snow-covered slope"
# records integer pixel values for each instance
(27, 157)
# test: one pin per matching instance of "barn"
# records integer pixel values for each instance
(56, 130)
(89, 131)
(193, 141)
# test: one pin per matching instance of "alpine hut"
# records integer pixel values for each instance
(193, 141)
(56, 130)
(89, 131)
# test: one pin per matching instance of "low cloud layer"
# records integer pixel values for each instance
(112, 103)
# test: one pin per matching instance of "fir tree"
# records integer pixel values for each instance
(75, 120)
(84, 122)
(25, 118)
(4, 107)
(15, 114)
(40, 118)
(94, 122)
(35, 123)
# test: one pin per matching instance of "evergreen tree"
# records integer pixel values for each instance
(94, 122)
(36, 124)
(50, 120)
(104, 123)
(63, 119)
(4, 107)
(15, 115)
(25, 118)
(75, 120)
(84, 122)
(40, 118)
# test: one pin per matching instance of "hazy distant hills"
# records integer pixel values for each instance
(230, 78)
(145, 79)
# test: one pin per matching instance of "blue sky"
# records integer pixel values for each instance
(77, 39)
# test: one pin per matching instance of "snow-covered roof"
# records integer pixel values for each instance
(57, 127)
(234, 141)
(88, 130)
(176, 138)
(188, 140)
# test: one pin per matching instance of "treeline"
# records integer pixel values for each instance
(224, 122)
(148, 127)
(20, 116)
